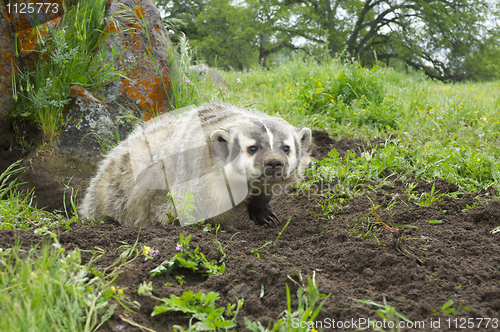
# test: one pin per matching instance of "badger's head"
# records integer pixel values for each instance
(268, 149)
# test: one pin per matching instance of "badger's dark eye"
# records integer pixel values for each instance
(252, 149)
(286, 148)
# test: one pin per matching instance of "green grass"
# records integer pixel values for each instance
(430, 129)
(200, 307)
(447, 309)
(17, 209)
(46, 289)
(193, 260)
(67, 55)
(301, 319)
(388, 314)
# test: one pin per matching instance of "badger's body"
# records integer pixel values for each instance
(224, 156)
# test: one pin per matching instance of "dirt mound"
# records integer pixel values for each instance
(419, 268)
(322, 144)
(15, 142)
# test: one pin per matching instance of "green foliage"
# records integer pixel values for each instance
(50, 288)
(73, 201)
(218, 245)
(7, 186)
(255, 252)
(193, 260)
(423, 160)
(351, 172)
(420, 34)
(354, 89)
(184, 205)
(354, 83)
(387, 312)
(188, 303)
(145, 289)
(484, 64)
(300, 320)
(181, 280)
(184, 84)
(495, 230)
(431, 197)
(447, 309)
(435, 222)
(68, 55)
(478, 202)
(202, 308)
(233, 35)
(366, 227)
(221, 19)
(447, 40)
(17, 209)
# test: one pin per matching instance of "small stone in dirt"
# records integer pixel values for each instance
(368, 272)
(273, 272)
(240, 291)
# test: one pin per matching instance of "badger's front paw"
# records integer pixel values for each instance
(261, 212)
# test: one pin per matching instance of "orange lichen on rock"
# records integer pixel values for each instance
(150, 90)
(78, 91)
(140, 12)
(21, 21)
(6, 60)
(110, 27)
(27, 39)
(25, 25)
(135, 40)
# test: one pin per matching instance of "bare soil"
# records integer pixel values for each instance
(458, 259)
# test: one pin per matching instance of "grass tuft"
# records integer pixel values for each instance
(46, 288)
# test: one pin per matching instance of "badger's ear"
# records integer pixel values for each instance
(221, 136)
(220, 147)
(305, 138)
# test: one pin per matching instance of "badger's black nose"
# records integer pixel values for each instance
(273, 163)
(273, 168)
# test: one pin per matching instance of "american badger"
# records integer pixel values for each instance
(202, 164)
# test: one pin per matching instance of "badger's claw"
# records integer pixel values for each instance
(276, 221)
(268, 218)
(261, 213)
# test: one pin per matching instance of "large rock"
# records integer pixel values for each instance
(93, 127)
(76, 152)
(6, 63)
(148, 85)
(144, 91)
(204, 72)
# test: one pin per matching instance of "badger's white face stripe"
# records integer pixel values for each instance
(292, 156)
(268, 134)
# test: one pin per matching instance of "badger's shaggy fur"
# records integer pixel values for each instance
(224, 156)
